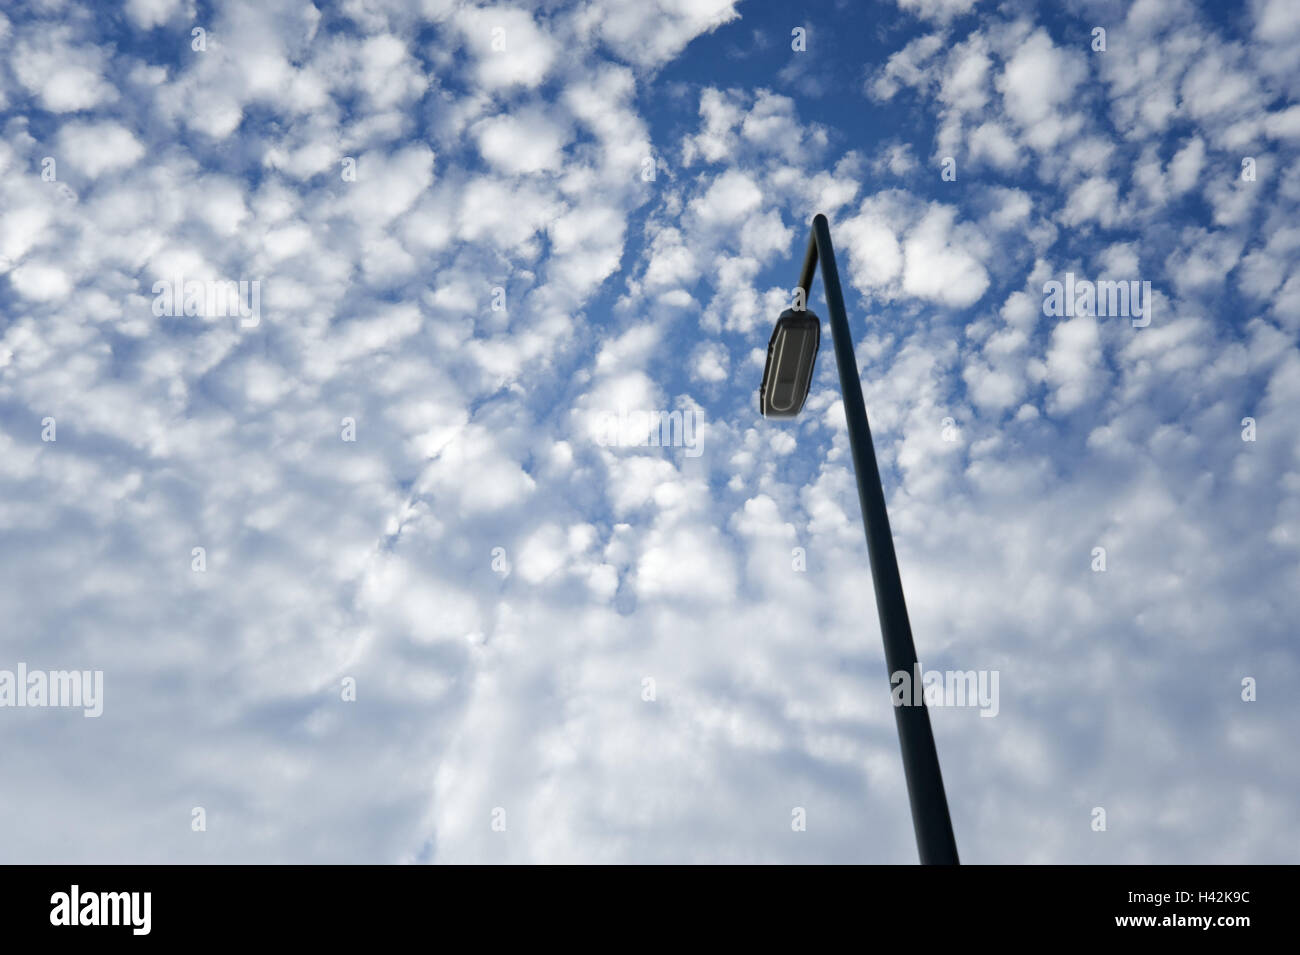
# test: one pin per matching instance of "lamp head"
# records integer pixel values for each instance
(791, 356)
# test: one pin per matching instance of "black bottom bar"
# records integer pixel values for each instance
(970, 904)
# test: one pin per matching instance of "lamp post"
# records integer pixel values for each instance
(786, 379)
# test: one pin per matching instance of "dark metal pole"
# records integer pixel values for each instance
(934, 838)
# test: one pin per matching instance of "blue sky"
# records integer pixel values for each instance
(407, 494)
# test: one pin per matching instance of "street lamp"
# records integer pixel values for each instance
(791, 354)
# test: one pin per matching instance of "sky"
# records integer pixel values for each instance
(386, 566)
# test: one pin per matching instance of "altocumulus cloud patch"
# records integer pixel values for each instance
(421, 566)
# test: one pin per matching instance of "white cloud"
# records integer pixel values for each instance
(509, 47)
(41, 282)
(990, 141)
(940, 10)
(1185, 167)
(65, 78)
(1094, 200)
(96, 148)
(1074, 363)
(906, 68)
(1039, 81)
(904, 248)
(711, 363)
(937, 267)
(521, 143)
(648, 34)
(146, 14)
(875, 256)
(731, 198)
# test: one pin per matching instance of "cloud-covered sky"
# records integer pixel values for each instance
(487, 241)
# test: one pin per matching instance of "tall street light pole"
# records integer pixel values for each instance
(786, 379)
